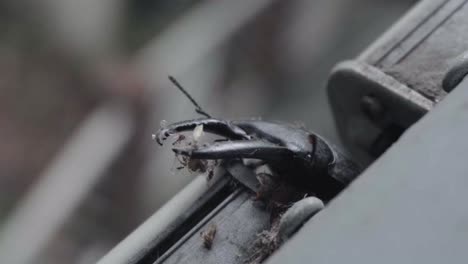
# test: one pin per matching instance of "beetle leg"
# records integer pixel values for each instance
(254, 163)
(254, 149)
(211, 125)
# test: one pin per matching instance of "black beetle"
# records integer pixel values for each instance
(299, 156)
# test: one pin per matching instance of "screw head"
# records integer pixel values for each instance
(372, 108)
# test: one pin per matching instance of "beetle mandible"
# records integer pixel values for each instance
(301, 157)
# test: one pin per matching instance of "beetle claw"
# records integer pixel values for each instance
(162, 135)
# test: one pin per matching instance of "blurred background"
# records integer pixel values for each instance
(83, 85)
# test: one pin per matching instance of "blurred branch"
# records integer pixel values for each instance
(64, 185)
(193, 36)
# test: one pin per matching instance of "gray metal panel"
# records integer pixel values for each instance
(418, 49)
(423, 58)
(410, 58)
(402, 29)
(410, 206)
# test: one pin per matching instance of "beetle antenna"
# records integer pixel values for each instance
(198, 108)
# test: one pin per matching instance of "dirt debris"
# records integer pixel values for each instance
(208, 236)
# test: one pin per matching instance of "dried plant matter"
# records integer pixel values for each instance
(208, 236)
(283, 227)
(265, 244)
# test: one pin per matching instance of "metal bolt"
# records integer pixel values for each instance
(372, 108)
(458, 70)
